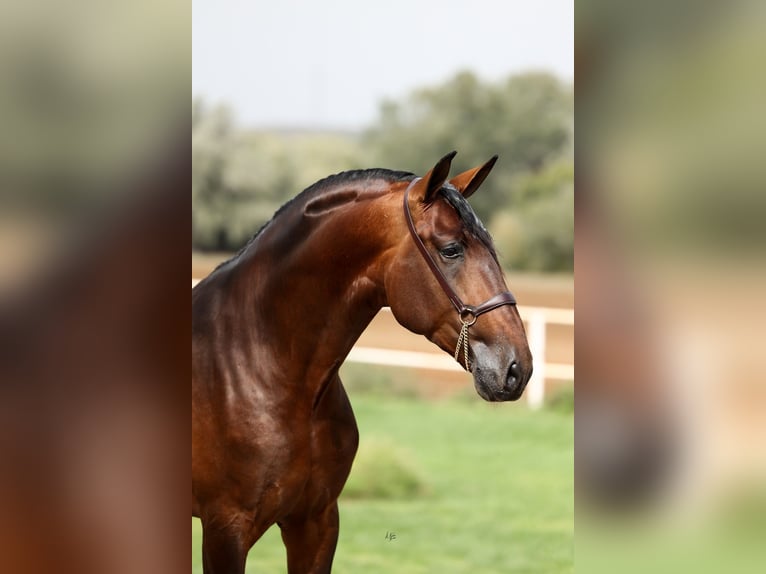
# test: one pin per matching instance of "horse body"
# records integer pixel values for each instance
(273, 432)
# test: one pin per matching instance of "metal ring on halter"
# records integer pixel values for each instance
(468, 312)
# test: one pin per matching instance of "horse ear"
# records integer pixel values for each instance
(425, 190)
(469, 181)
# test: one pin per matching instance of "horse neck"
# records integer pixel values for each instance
(316, 284)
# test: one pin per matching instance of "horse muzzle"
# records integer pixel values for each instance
(499, 378)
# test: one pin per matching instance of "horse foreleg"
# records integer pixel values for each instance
(223, 552)
(311, 541)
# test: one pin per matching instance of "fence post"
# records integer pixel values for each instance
(536, 338)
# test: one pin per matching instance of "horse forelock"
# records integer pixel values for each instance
(468, 217)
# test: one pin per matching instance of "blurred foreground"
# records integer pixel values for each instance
(670, 433)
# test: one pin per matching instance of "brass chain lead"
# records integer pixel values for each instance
(462, 340)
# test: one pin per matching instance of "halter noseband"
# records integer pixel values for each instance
(467, 313)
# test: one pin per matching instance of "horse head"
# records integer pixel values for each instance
(444, 282)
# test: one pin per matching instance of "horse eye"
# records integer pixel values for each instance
(452, 251)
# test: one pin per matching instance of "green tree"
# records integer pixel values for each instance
(241, 177)
(537, 233)
(211, 146)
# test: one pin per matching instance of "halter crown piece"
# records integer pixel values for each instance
(466, 313)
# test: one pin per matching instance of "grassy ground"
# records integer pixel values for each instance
(496, 496)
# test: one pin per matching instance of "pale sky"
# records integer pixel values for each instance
(329, 63)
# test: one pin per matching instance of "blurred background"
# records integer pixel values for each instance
(670, 427)
(669, 231)
(94, 320)
(94, 226)
(287, 93)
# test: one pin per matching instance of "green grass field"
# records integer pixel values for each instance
(495, 496)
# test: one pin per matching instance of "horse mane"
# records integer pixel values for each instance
(461, 206)
(323, 185)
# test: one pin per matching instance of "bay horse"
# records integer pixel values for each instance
(273, 432)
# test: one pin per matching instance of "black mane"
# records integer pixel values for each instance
(329, 182)
(356, 175)
(467, 216)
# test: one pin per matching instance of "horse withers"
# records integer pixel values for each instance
(273, 432)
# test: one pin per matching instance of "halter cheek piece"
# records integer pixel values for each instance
(467, 313)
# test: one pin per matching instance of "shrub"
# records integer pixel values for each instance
(372, 380)
(562, 400)
(383, 470)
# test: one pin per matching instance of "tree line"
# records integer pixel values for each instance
(241, 176)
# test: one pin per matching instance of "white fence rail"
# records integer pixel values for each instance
(537, 320)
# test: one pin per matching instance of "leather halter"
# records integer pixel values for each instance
(467, 313)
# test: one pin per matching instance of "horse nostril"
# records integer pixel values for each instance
(514, 373)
